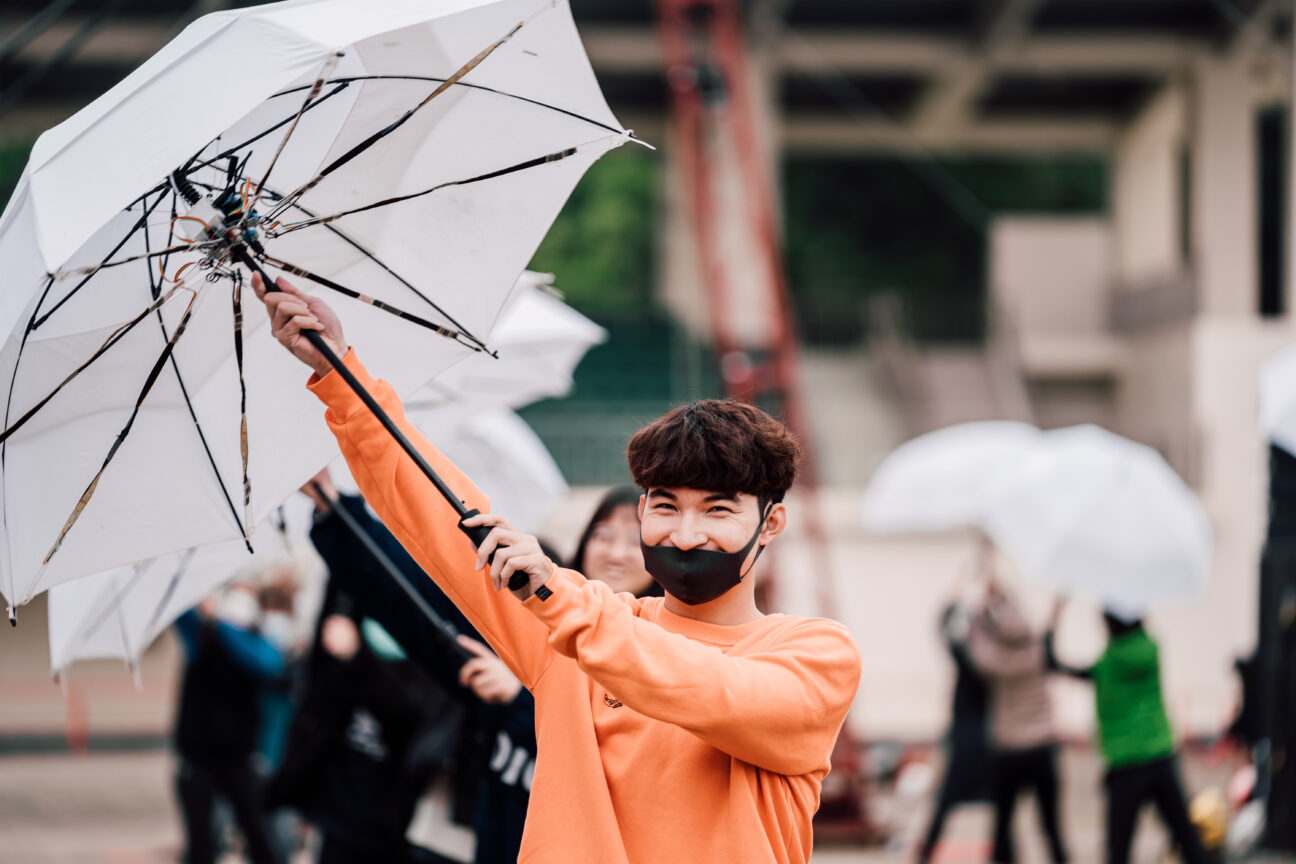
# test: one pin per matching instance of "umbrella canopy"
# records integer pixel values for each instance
(1278, 399)
(937, 482)
(406, 156)
(119, 612)
(1098, 514)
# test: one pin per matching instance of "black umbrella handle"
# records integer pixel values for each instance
(239, 253)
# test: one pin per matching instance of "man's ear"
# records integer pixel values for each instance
(643, 500)
(775, 522)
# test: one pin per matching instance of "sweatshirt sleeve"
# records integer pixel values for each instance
(779, 707)
(425, 523)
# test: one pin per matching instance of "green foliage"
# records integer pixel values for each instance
(13, 157)
(917, 228)
(601, 246)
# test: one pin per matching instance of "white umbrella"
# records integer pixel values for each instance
(118, 613)
(405, 154)
(1278, 399)
(936, 482)
(1095, 513)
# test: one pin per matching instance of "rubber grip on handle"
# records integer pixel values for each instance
(477, 534)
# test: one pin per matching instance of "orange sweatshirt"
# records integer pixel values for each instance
(661, 739)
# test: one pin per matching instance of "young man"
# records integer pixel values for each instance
(689, 728)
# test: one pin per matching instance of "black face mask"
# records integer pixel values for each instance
(695, 576)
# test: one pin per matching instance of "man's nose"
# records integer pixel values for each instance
(687, 535)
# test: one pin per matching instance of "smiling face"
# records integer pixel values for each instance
(696, 519)
(612, 552)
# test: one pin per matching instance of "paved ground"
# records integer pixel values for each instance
(118, 809)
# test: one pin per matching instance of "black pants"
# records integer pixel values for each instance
(967, 780)
(1018, 770)
(1128, 789)
(197, 786)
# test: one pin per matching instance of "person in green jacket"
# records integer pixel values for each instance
(1135, 739)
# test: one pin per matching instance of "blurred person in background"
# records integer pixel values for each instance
(968, 760)
(496, 776)
(278, 593)
(1134, 735)
(218, 720)
(364, 742)
(1013, 659)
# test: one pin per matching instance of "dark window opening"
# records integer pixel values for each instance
(1271, 141)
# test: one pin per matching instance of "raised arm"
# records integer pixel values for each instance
(406, 502)
(778, 706)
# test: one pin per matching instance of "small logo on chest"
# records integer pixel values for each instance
(611, 701)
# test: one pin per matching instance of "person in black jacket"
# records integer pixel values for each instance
(217, 722)
(967, 770)
(363, 744)
(502, 714)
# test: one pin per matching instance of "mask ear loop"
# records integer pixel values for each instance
(759, 549)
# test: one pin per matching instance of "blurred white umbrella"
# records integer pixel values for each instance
(118, 613)
(936, 482)
(1097, 514)
(1278, 399)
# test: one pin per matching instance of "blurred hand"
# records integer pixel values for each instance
(325, 483)
(340, 637)
(514, 552)
(486, 675)
(292, 312)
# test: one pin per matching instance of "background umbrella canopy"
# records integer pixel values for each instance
(119, 612)
(1095, 513)
(481, 170)
(937, 482)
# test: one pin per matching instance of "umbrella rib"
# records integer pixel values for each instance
(155, 288)
(439, 329)
(224, 154)
(400, 121)
(355, 244)
(329, 65)
(115, 605)
(170, 589)
(113, 338)
(4, 447)
(121, 436)
(141, 223)
(179, 247)
(521, 166)
(573, 114)
(236, 294)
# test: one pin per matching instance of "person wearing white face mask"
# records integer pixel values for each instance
(227, 663)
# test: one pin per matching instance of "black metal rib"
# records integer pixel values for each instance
(521, 166)
(156, 288)
(170, 589)
(237, 297)
(115, 337)
(479, 344)
(574, 115)
(4, 446)
(404, 118)
(121, 436)
(141, 223)
(366, 299)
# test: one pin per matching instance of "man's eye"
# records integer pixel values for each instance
(718, 509)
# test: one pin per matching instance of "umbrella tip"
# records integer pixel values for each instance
(13, 617)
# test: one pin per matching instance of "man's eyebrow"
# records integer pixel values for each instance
(661, 493)
(721, 496)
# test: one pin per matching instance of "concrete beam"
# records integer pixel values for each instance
(842, 135)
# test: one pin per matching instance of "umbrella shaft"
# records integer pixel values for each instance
(476, 534)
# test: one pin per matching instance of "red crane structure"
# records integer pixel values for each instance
(727, 184)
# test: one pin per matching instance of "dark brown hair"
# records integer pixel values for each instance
(720, 445)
